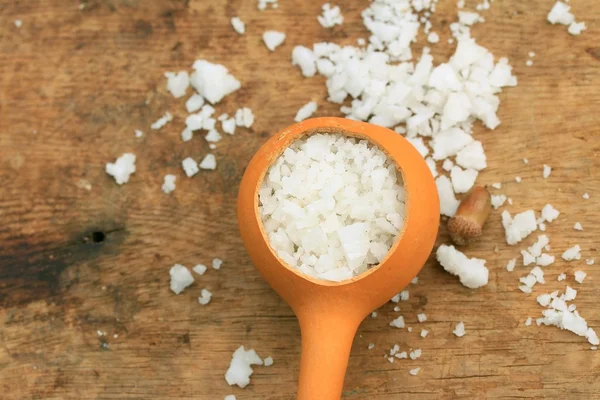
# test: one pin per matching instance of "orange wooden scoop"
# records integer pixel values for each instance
(330, 312)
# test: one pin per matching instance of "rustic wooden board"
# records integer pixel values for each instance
(74, 84)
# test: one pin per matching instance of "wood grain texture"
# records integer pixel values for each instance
(74, 84)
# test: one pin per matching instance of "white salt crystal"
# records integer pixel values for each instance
(433, 37)
(200, 269)
(448, 202)
(306, 111)
(216, 263)
(549, 213)
(528, 321)
(194, 103)
(498, 200)
(330, 16)
(544, 260)
(169, 183)
(510, 266)
(213, 81)
(404, 295)
(208, 162)
(181, 278)
(570, 294)
(547, 171)
(205, 296)
(421, 317)
(572, 253)
(424, 333)
(518, 179)
(562, 277)
(559, 14)
(398, 322)
(230, 397)
(268, 361)
(414, 371)
(273, 39)
(305, 59)
(18, 23)
(589, 261)
(463, 180)
(519, 227)
(447, 165)
(580, 276)
(459, 330)
(228, 125)
(240, 369)
(371, 346)
(190, 166)
(186, 134)
(497, 185)
(415, 354)
(177, 83)
(575, 28)
(586, 196)
(472, 272)
(162, 121)
(244, 117)
(529, 63)
(138, 133)
(122, 168)
(238, 25)
(578, 226)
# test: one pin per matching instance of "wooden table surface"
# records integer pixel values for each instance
(79, 253)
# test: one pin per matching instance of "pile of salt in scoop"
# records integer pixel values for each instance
(332, 206)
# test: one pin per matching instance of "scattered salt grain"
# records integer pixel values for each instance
(518, 179)
(579, 276)
(305, 59)
(497, 185)
(216, 263)
(463, 180)
(528, 321)
(562, 277)
(547, 171)
(177, 83)
(194, 103)
(421, 317)
(190, 166)
(228, 125)
(415, 354)
(213, 136)
(205, 296)
(262, 4)
(306, 111)
(544, 300)
(162, 121)
(586, 196)
(559, 14)
(230, 397)
(531, 54)
(401, 355)
(519, 227)
(575, 28)
(181, 277)
(330, 16)
(433, 37)
(448, 202)
(404, 295)
(371, 346)
(572, 253)
(578, 226)
(459, 330)
(409, 329)
(529, 63)
(374, 314)
(394, 350)
(18, 23)
(549, 213)
(527, 258)
(570, 294)
(273, 39)
(122, 168)
(213, 81)
(415, 280)
(424, 333)
(414, 371)
(510, 266)
(200, 269)
(244, 117)
(589, 261)
(472, 272)
(525, 161)
(498, 200)
(169, 183)
(544, 260)
(238, 25)
(208, 162)
(398, 322)
(138, 133)
(268, 361)
(240, 369)
(447, 165)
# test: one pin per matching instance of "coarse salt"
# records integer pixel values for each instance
(190, 166)
(181, 277)
(459, 329)
(330, 16)
(122, 168)
(472, 272)
(169, 183)
(579, 276)
(205, 297)
(306, 111)
(572, 253)
(273, 39)
(238, 25)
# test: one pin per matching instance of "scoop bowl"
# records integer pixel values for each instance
(329, 313)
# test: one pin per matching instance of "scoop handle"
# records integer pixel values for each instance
(326, 344)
